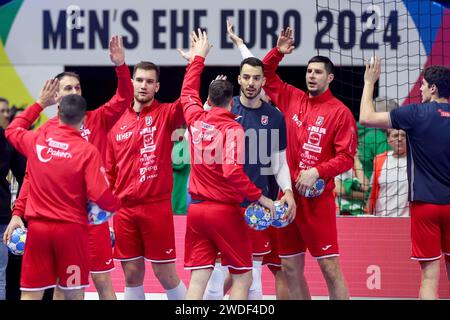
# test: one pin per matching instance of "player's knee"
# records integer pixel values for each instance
(167, 277)
(101, 280)
(289, 268)
(243, 280)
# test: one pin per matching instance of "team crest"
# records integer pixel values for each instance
(264, 120)
(319, 121)
(148, 121)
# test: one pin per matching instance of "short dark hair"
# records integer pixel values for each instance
(4, 100)
(252, 61)
(329, 66)
(67, 74)
(220, 93)
(72, 109)
(146, 65)
(439, 76)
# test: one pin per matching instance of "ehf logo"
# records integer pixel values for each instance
(319, 121)
(148, 121)
(264, 120)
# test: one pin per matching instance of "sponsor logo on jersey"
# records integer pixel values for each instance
(56, 144)
(297, 121)
(264, 120)
(46, 156)
(123, 136)
(443, 113)
(148, 121)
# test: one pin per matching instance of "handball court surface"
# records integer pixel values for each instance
(375, 259)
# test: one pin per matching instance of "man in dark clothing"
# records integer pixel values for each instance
(10, 159)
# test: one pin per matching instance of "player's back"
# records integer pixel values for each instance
(57, 167)
(214, 135)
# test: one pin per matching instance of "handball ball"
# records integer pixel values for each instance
(113, 236)
(97, 215)
(16, 243)
(257, 216)
(280, 220)
(316, 190)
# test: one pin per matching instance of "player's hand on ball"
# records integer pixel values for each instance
(268, 203)
(288, 198)
(15, 222)
(306, 179)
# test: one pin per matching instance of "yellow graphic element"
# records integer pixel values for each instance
(12, 86)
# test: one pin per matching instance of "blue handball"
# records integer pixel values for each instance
(280, 220)
(316, 190)
(97, 215)
(16, 244)
(257, 216)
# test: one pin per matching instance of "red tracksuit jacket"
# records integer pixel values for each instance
(139, 153)
(65, 171)
(97, 125)
(321, 130)
(217, 147)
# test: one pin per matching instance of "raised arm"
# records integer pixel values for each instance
(190, 97)
(279, 92)
(368, 117)
(111, 111)
(17, 132)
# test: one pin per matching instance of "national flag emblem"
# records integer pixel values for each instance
(264, 120)
(319, 121)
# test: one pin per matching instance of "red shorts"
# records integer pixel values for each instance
(55, 250)
(314, 228)
(430, 231)
(272, 260)
(214, 227)
(100, 249)
(145, 231)
(259, 239)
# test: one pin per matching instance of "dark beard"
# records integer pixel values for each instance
(256, 93)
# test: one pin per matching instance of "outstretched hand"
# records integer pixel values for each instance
(233, 36)
(116, 50)
(48, 93)
(285, 42)
(201, 43)
(188, 55)
(373, 70)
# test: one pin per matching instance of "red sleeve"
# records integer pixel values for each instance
(232, 164)
(21, 201)
(190, 97)
(345, 141)
(176, 114)
(17, 132)
(111, 111)
(279, 92)
(110, 161)
(97, 183)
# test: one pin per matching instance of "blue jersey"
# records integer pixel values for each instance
(427, 128)
(265, 133)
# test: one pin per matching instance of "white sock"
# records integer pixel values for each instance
(134, 293)
(177, 293)
(255, 291)
(214, 289)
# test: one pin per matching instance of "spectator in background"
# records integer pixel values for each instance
(8, 161)
(371, 141)
(181, 168)
(351, 187)
(389, 195)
